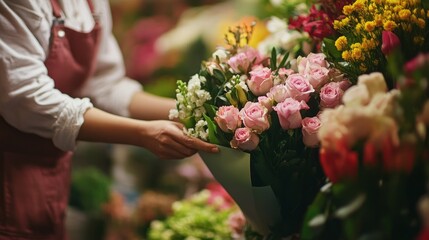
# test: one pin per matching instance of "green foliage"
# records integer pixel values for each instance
(195, 219)
(90, 189)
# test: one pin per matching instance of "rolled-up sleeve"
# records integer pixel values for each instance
(109, 89)
(28, 98)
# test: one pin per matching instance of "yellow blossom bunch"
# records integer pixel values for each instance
(365, 20)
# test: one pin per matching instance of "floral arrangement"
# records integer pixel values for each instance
(376, 161)
(267, 106)
(368, 28)
(298, 115)
(209, 214)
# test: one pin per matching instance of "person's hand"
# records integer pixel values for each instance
(167, 140)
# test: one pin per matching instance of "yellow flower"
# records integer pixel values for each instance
(370, 26)
(418, 40)
(345, 22)
(348, 9)
(421, 23)
(363, 68)
(389, 25)
(378, 20)
(358, 27)
(346, 55)
(357, 54)
(341, 43)
(393, 2)
(359, 5)
(337, 24)
(404, 14)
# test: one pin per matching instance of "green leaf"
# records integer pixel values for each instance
(210, 110)
(316, 217)
(212, 130)
(283, 62)
(345, 211)
(328, 47)
(273, 61)
(219, 75)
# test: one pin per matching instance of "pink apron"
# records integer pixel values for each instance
(34, 174)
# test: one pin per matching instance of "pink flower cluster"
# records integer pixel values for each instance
(286, 92)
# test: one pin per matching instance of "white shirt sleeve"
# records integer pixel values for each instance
(28, 98)
(108, 88)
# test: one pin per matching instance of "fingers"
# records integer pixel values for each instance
(199, 144)
(196, 143)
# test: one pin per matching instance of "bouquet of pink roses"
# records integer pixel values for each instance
(269, 107)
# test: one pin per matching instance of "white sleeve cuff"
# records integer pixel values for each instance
(67, 126)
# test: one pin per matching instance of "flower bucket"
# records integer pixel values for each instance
(231, 168)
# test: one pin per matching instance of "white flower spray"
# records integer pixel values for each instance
(190, 99)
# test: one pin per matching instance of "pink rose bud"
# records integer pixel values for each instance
(239, 63)
(278, 93)
(228, 118)
(255, 116)
(284, 73)
(245, 139)
(316, 75)
(298, 87)
(390, 42)
(253, 55)
(261, 81)
(416, 63)
(330, 95)
(310, 127)
(289, 113)
(266, 102)
(312, 59)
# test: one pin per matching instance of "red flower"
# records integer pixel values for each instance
(217, 191)
(340, 163)
(318, 24)
(398, 159)
(390, 42)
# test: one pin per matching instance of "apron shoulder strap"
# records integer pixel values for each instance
(56, 8)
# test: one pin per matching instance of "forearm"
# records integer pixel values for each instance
(100, 126)
(150, 107)
(164, 138)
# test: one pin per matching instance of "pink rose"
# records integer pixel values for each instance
(245, 139)
(345, 84)
(255, 116)
(253, 55)
(298, 87)
(228, 118)
(312, 59)
(310, 127)
(261, 81)
(330, 95)
(237, 224)
(240, 63)
(278, 93)
(289, 113)
(266, 102)
(284, 73)
(316, 75)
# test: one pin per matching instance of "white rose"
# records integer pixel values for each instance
(356, 95)
(374, 82)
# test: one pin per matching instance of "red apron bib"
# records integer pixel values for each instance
(34, 174)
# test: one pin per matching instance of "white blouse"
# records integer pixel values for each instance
(28, 98)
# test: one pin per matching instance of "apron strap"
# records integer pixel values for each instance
(56, 8)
